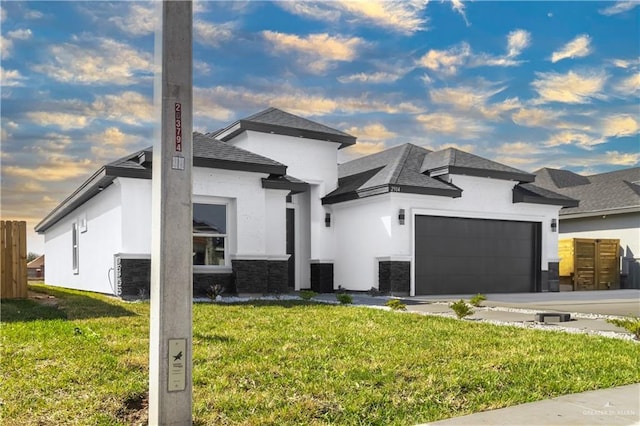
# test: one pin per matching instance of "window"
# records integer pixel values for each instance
(209, 234)
(74, 247)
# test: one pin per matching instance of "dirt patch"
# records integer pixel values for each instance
(135, 410)
(43, 298)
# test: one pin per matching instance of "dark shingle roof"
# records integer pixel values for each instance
(411, 169)
(274, 120)
(207, 152)
(598, 194)
(394, 170)
(454, 161)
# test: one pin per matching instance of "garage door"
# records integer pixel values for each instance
(458, 256)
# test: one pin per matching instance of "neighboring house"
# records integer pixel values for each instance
(35, 268)
(609, 208)
(273, 212)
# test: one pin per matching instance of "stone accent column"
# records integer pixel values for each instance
(251, 276)
(278, 280)
(553, 276)
(394, 277)
(321, 276)
(133, 276)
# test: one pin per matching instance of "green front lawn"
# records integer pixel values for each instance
(84, 361)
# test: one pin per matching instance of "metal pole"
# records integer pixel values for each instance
(170, 357)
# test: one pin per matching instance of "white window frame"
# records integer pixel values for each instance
(227, 261)
(75, 248)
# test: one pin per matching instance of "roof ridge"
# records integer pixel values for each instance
(400, 162)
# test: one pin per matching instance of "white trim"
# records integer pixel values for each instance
(208, 269)
(320, 260)
(622, 210)
(395, 258)
(271, 257)
(133, 255)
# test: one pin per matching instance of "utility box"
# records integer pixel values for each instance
(589, 264)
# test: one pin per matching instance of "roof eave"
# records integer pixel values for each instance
(391, 188)
(492, 174)
(602, 212)
(94, 185)
(214, 163)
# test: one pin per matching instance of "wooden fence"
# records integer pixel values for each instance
(13, 259)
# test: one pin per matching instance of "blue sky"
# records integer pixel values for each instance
(528, 84)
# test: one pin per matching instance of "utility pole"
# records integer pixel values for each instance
(170, 342)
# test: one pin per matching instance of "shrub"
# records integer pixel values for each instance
(214, 291)
(396, 305)
(477, 299)
(307, 294)
(631, 324)
(344, 298)
(461, 309)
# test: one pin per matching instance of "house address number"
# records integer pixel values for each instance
(394, 188)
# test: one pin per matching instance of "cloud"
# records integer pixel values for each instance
(619, 7)
(447, 61)
(97, 61)
(3, 14)
(140, 20)
(63, 120)
(535, 117)
(6, 47)
(125, 107)
(461, 126)
(625, 63)
(223, 102)
(55, 168)
(405, 17)
(579, 47)
(371, 132)
(458, 6)
(620, 126)
(21, 34)
(317, 51)
(572, 87)
(582, 140)
(629, 86)
(111, 143)
(375, 77)
(517, 41)
(212, 34)
(361, 149)
(474, 99)
(11, 78)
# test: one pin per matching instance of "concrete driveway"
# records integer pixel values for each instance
(605, 302)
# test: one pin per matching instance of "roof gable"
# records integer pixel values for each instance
(604, 193)
(274, 120)
(456, 162)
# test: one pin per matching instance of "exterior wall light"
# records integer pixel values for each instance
(327, 220)
(554, 225)
(401, 216)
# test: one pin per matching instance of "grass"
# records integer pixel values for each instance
(289, 362)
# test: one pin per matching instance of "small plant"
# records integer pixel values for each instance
(396, 305)
(477, 299)
(631, 324)
(374, 292)
(341, 290)
(461, 309)
(215, 291)
(344, 298)
(307, 294)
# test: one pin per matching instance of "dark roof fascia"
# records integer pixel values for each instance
(493, 174)
(244, 125)
(294, 187)
(391, 188)
(521, 195)
(214, 163)
(598, 213)
(116, 171)
(94, 185)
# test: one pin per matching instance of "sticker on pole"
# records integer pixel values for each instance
(177, 380)
(177, 162)
(178, 116)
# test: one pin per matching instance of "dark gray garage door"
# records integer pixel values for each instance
(457, 255)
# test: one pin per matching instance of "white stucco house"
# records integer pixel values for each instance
(273, 211)
(609, 209)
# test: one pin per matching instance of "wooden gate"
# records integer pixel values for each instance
(590, 264)
(13, 259)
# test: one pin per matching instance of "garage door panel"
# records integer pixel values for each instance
(461, 255)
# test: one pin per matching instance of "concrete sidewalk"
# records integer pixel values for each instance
(612, 407)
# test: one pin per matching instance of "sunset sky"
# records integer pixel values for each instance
(528, 84)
